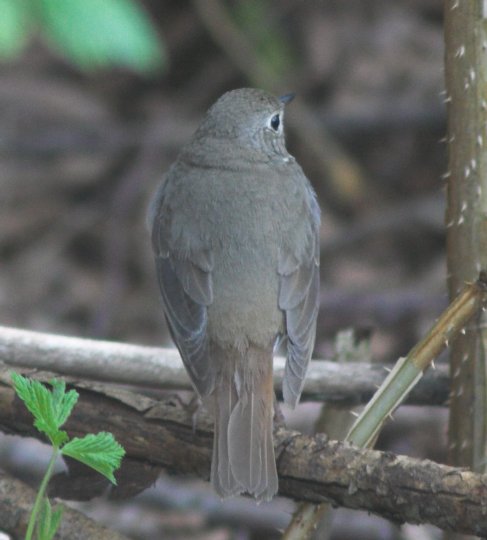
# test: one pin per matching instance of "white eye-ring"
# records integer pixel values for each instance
(275, 122)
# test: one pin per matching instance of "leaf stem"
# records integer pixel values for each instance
(41, 494)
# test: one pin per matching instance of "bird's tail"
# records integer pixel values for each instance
(243, 450)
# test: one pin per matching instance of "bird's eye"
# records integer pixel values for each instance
(275, 122)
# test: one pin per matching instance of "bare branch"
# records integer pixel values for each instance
(352, 382)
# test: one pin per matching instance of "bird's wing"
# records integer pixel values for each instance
(299, 299)
(185, 283)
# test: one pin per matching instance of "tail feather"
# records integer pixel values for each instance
(243, 450)
(269, 484)
(222, 477)
(246, 433)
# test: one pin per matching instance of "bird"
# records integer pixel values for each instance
(235, 226)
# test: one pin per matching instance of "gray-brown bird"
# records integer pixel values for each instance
(235, 231)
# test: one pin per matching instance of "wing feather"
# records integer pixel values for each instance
(186, 287)
(299, 298)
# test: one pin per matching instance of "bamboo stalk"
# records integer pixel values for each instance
(466, 86)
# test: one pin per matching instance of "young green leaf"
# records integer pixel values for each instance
(50, 409)
(48, 521)
(96, 34)
(14, 27)
(100, 452)
(62, 402)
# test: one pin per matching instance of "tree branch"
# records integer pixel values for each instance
(352, 382)
(161, 434)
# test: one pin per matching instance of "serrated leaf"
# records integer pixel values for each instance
(49, 412)
(63, 402)
(49, 520)
(59, 438)
(14, 27)
(100, 452)
(96, 34)
(38, 401)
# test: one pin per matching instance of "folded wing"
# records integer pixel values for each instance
(299, 299)
(185, 283)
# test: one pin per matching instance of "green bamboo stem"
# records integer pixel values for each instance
(409, 370)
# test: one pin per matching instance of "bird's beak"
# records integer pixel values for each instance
(287, 98)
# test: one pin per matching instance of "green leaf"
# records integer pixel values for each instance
(50, 409)
(14, 27)
(100, 452)
(63, 402)
(58, 438)
(49, 520)
(94, 33)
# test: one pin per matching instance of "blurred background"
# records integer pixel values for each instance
(97, 98)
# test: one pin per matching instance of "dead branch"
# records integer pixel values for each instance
(351, 382)
(313, 469)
